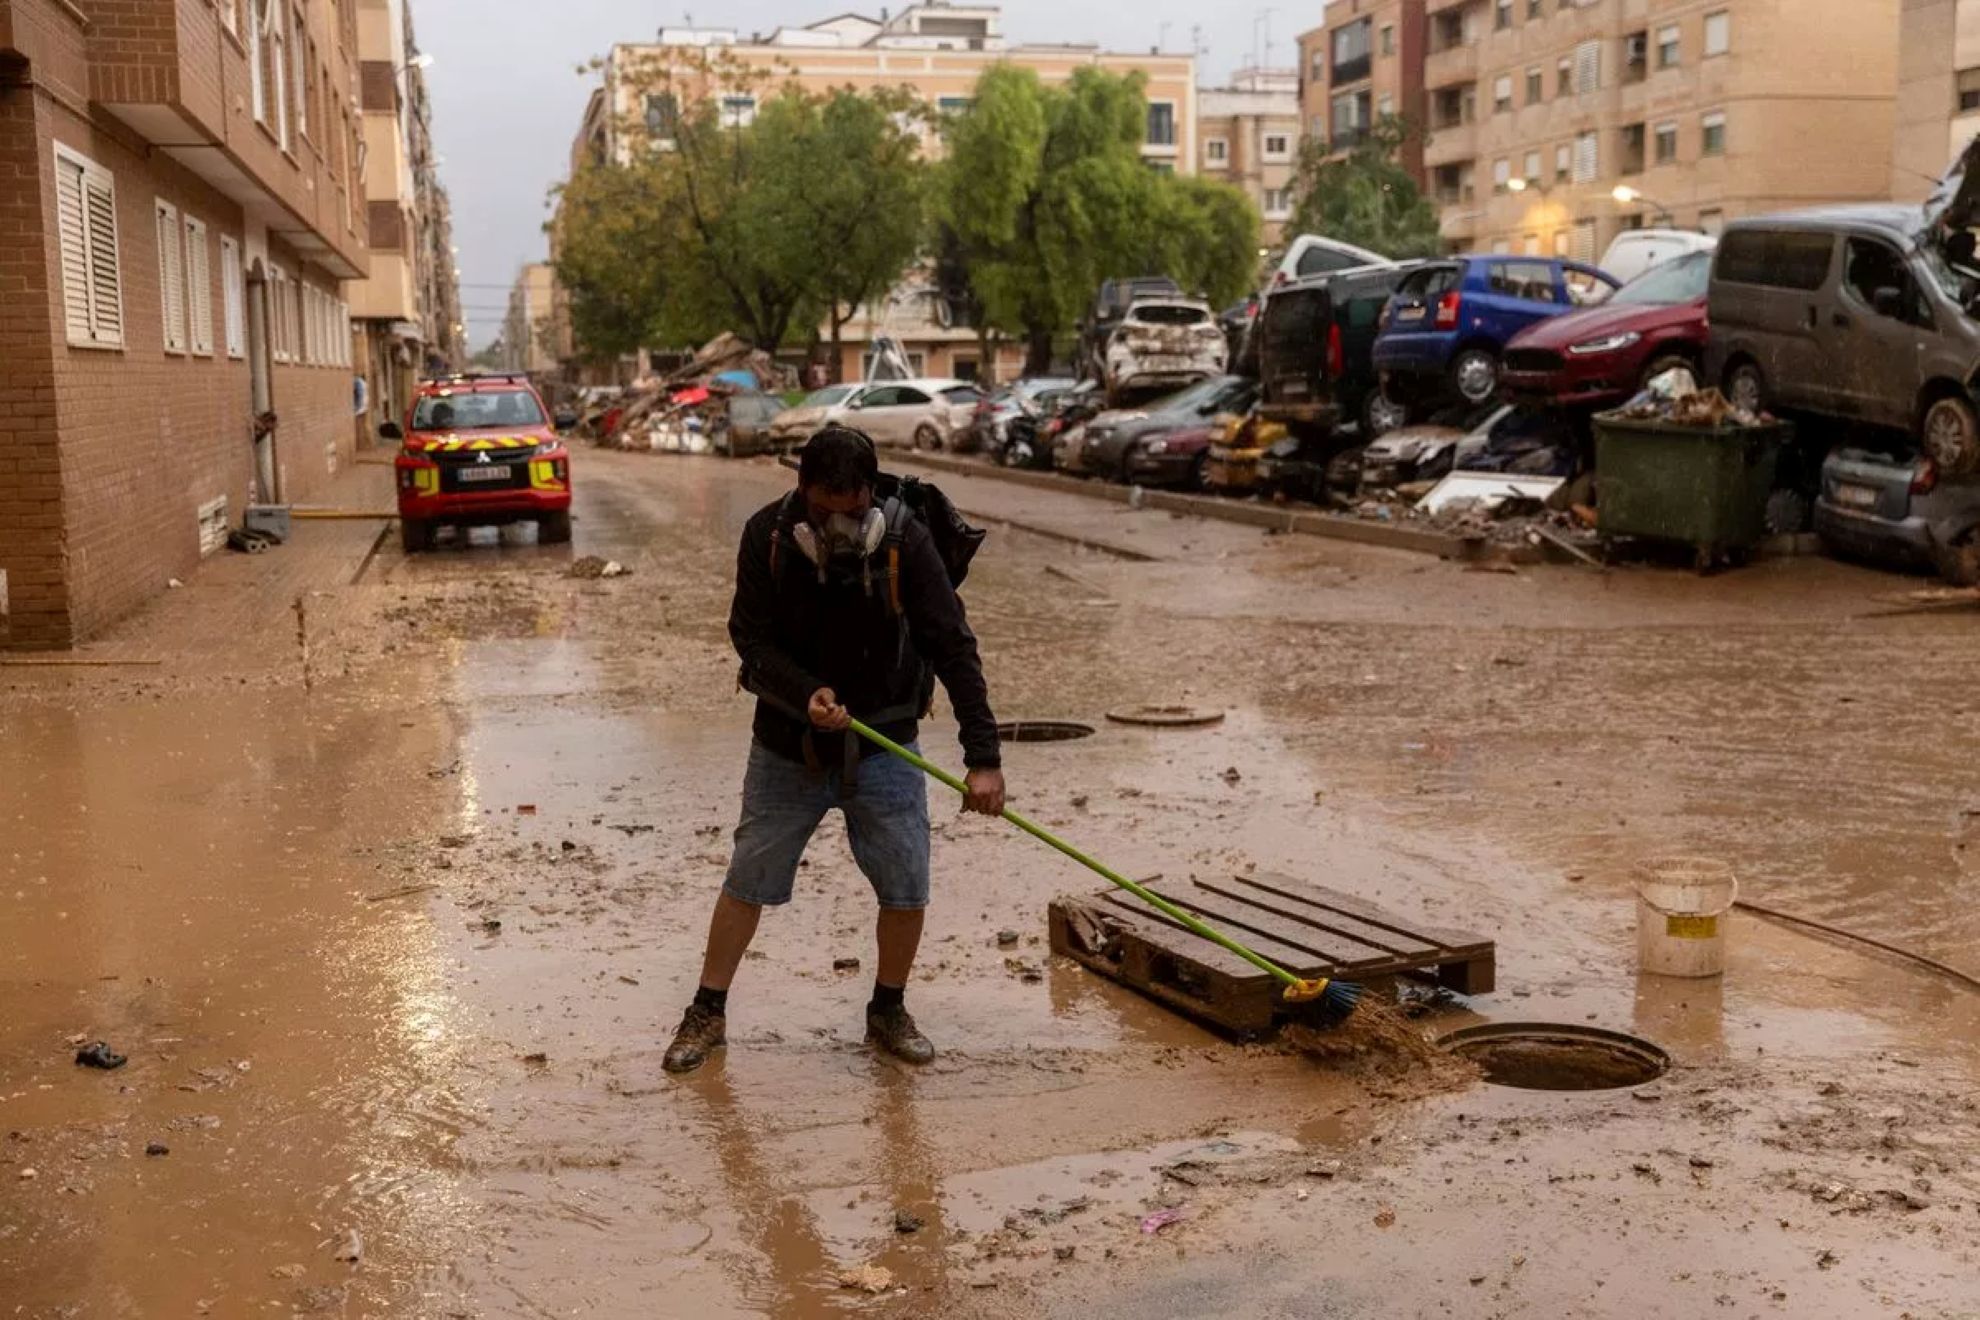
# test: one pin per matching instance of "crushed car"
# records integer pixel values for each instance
(1163, 345)
(1166, 443)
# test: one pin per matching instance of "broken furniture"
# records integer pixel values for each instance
(1311, 931)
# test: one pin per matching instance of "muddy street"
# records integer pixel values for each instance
(390, 875)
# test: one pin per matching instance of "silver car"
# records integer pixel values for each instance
(796, 424)
(900, 414)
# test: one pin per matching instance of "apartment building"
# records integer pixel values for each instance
(532, 337)
(406, 312)
(180, 213)
(1556, 124)
(1363, 65)
(1250, 138)
(1938, 99)
(938, 50)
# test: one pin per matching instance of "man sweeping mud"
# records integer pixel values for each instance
(844, 607)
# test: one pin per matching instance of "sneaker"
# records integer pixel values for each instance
(700, 1033)
(893, 1030)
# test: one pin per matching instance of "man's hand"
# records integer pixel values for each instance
(986, 792)
(826, 713)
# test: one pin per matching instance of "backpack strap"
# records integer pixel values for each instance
(777, 536)
(898, 513)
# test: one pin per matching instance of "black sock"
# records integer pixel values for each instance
(886, 996)
(715, 1001)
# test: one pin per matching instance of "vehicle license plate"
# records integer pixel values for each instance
(500, 472)
(1857, 497)
(1409, 313)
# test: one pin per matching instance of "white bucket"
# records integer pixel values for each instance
(1681, 916)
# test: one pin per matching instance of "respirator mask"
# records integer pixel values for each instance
(846, 543)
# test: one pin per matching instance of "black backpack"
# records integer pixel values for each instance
(900, 499)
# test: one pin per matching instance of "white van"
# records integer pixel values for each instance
(1637, 250)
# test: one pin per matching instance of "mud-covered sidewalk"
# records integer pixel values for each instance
(390, 877)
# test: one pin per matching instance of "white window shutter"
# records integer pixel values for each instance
(231, 299)
(1588, 66)
(73, 233)
(171, 277)
(199, 287)
(106, 291)
(1584, 241)
(1587, 161)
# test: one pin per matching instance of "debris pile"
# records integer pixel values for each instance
(1674, 397)
(692, 409)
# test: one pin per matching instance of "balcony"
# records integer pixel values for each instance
(1351, 70)
(1457, 64)
(1347, 139)
(1457, 145)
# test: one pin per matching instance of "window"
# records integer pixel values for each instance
(1667, 143)
(1582, 248)
(491, 408)
(233, 301)
(663, 115)
(1502, 11)
(1278, 202)
(1501, 175)
(278, 60)
(1502, 93)
(1351, 51)
(1564, 76)
(1778, 258)
(1388, 39)
(1161, 123)
(1561, 242)
(1536, 86)
(1278, 146)
(171, 275)
(1501, 246)
(1712, 222)
(299, 53)
(86, 220)
(1636, 57)
(1584, 289)
(1385, 106)
(738, 111)
(1588, 66)
(1718, 33)
(1350, 115)
(1216, 150)
(278, 320)
(1587, 159)
(1713, 139)
(1320, 65)
(1535, 9)
(1876, 275)
(1531, 173)
(257, 88)
(1529, 281)
(1668, 47)
(1531, 246)
(199, 288)
(1630, 157)
(1969, 90)
(1563, 163)
(954, 105)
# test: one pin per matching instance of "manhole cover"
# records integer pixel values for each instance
(1547, 1056)
(1167, 717)
(1043, 731)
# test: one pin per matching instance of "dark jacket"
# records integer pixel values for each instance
(796, 635)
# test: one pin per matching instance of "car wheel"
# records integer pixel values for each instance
(1950, 436)
(1199, 471)
(554, 528)
(1475, 375)
(1381, 414)
(1789, 513)
(1959, 563)
(1746, 388)
(927, 437)
(415, 535)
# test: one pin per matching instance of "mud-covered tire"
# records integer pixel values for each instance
(1380, 415)
(1745, 387)
(415, 535)
(1789, 513)
(1959, 563)
(1949, 435)
(554, 528)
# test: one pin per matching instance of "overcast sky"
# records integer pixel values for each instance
(507, 95)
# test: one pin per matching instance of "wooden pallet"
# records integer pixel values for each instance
(1305, 928)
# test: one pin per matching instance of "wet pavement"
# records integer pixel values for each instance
(394, 956)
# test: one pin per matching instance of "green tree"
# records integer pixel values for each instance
(713, 218)
(1366, 197)
(1044, 194)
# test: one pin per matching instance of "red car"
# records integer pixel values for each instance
(1600, 356)
(479, 450)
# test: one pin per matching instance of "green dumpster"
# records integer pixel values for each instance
(1705, 487)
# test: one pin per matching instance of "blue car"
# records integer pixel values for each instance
(1447, 322)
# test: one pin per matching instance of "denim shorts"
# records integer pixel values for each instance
(783, 803)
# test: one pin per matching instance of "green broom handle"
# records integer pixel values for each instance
(1045, 836)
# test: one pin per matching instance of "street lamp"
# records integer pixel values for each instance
(419, 61)
(1629, 196)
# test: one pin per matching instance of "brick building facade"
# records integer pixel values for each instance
(175, 226)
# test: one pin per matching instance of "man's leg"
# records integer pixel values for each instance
(887, 825)
(782, 805)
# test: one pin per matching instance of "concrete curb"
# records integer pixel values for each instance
(1269, 517)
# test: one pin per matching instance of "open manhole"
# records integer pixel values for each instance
(1548, 1056)
(1043, 731)
(1167, 717)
